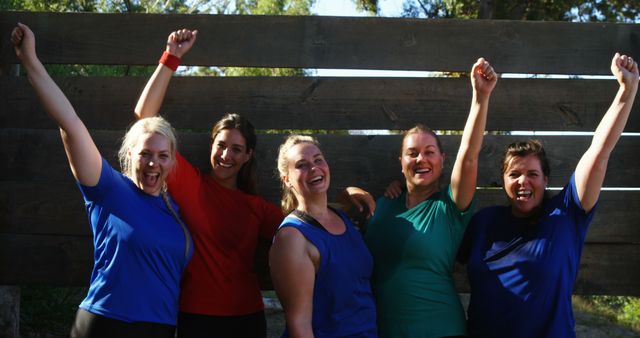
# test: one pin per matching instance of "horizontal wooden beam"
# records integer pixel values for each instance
(67, 261)
(327, 42)
(370, 161)
(325, 103)
(57, 209)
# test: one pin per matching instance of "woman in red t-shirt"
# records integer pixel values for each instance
(220, 295)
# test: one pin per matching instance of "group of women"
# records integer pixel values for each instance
(174, 247)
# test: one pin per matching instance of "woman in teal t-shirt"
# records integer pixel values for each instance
(414, 238)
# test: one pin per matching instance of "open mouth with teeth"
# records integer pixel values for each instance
(150, 179)
(524, 194)
(224, 165)
(316, 180)
(423, 170)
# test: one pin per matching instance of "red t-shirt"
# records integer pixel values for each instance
(225, 225)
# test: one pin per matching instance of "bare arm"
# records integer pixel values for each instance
(592, 167)
(465, 169)
(293, 274)
(84, 158)
(358, 198)
(150, 101)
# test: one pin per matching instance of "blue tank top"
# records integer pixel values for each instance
(343, 304)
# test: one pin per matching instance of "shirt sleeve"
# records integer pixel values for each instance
(574, 206)
(104, 186)
(463, 216)
(183, 179)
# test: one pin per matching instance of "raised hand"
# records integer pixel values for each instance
(483, 77)
(624, 69)
(180, 42)
(24, 42)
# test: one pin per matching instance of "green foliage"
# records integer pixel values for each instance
(556, 10)
(369, 6)
(99, 70)
(238, 71)
(623, 310)
(48, 311)
(445, 9)
(244, 7)
(101, 6)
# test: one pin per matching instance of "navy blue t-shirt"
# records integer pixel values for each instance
(522, 271)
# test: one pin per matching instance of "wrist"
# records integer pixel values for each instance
(170, 61)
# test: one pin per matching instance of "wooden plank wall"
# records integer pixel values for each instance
(44, 235)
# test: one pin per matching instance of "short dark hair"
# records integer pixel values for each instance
(524, 148)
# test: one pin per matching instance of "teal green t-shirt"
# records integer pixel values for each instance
(414, 252)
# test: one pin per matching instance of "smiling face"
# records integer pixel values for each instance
(421, 160)
(524, 184)
(151, 161)
(228, 154)
(307, 171)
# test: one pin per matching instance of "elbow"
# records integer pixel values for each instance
(137, 112)
(299, 329)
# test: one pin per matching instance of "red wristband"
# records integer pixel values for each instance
(170, 60)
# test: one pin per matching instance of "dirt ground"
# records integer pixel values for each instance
(587, 325)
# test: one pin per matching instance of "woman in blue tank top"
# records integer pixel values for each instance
(320, 265)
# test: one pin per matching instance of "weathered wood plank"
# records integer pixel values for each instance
(370, 161)
(58, 209)
(324, 103)
(328, 42)
(67, 261)
(45, 260)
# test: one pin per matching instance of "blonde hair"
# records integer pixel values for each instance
(289, 201)
(150, 125)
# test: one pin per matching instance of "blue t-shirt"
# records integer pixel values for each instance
(139, 252)
(343, 304)
(522, 271)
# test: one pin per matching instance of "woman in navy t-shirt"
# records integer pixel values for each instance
(523, 259)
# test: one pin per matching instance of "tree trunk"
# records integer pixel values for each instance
(487, 9)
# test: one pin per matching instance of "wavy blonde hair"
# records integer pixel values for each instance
(289, 201)
(150, 125)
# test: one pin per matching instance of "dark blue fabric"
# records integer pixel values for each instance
(522, 271)
(343, 304)
(139, 252)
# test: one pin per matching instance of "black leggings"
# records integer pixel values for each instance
(90, 325)
(191, 325)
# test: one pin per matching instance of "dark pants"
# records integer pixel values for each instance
(191, 325)
(90, 325)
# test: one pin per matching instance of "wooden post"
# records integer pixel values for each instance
(9, 295)
(9, 311)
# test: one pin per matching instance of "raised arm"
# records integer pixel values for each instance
(150, 101)
(592, 167)
(293, 274)
(465, 169)
(84, 159)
